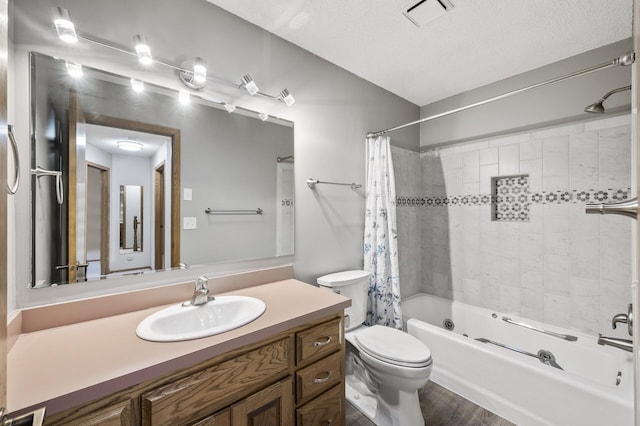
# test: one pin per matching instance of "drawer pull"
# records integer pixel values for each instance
(322, 343)
(319, 380)
(328, 422)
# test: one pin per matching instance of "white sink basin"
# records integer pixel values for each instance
(178, 322)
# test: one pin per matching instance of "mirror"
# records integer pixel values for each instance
(202, 186)
(130, 219)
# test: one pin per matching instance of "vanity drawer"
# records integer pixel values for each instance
(200, 394)
(318, 341)
(325, 410)
(318, 377)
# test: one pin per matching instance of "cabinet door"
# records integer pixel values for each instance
(324, 410)
(272, 406)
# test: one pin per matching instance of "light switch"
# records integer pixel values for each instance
(189, 223)
(187, 195)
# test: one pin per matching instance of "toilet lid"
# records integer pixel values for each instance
(394, 346)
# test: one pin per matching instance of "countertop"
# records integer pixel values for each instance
(74, 364)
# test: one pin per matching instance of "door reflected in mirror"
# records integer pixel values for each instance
(131, 229)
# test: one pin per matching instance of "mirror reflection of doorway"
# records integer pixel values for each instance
(133, 158)
(97, 220)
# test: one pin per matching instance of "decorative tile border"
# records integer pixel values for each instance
(574, 196)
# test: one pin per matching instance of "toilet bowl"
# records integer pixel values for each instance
(389, 365)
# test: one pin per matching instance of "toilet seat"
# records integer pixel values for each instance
(393, 346)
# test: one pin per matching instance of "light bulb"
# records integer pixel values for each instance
(137, 85)
(287, 97)
(74, 69)
(249, 84)
(199, 71)
(64, 26)
(184, 97)
(142, 49)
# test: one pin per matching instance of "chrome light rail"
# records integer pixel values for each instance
(540, 330)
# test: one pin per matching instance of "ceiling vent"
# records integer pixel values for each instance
(426, 11)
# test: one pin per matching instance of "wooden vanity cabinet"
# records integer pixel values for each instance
(296, 377)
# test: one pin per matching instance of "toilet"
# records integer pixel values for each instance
(385, 367)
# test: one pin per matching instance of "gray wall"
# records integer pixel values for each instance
(333, 112)
(548, 105)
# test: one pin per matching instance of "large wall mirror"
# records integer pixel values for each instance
(128, 182)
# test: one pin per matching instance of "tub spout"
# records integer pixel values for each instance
(624, 344)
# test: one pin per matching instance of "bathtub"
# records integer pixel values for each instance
(519, 387)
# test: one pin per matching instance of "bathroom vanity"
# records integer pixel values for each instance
(286, 367)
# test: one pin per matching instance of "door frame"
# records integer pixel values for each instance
(159, 216)
(105, 216)
(174, 134)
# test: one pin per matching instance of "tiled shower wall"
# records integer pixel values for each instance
(408, 171)
(562, 266)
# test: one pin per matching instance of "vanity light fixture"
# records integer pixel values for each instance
(74, 69)
(137, 85)
(129, 145)
(263, 116)
(142, 49)
(229, 107)
(249, 84)
(287, 97)
(199, 71)
(64, 26)
(184, 97)
(193, 74)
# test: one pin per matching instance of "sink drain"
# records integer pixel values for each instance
(448, 324)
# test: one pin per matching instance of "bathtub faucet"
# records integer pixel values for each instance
(624, 344)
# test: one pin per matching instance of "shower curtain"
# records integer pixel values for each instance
(381, 236)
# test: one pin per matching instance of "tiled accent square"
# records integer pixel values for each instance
(511, 195)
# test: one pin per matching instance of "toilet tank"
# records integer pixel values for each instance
(352, 284)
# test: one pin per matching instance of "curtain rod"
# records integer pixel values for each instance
(624, 60)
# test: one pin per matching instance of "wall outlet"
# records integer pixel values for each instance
(189, 223)
(188, 194)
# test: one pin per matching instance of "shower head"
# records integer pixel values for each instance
(597, 107)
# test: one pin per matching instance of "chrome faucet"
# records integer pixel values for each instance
(624, 344)
(200, 294)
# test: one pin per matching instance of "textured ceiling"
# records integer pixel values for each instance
(477, 43)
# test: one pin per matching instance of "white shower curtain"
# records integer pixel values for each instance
(381, 236)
